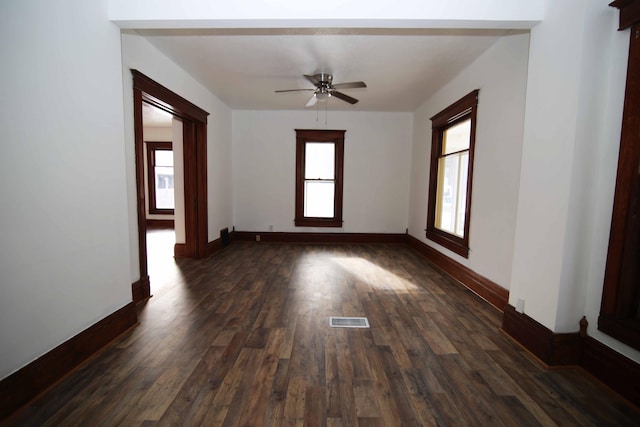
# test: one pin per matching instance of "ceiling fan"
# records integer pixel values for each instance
(325, 89)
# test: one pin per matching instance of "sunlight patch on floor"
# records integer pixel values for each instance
(376, 276)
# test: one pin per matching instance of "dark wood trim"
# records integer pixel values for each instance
(140, 191)
(629, 12)
(214, 246)
(141, 290)
(618, 372)
(166, 99)
(314, 135)
(22, 386)
(612, 368)
(621, 290)
(551, 348)
(180, 250)
(486, 289)
(194, 120)
(161, 223)
(151, 148)
(325, 238)
(463, 109)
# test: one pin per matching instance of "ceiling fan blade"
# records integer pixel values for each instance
(351, 85)
(312, 79)
(344, 97)
(293, 90)
(312, 101)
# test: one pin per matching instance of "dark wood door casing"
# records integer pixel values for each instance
(194, 120)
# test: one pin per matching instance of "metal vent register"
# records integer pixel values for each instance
(348, 322)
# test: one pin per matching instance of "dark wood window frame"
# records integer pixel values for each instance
(463, 109)
(330, 136)
(619, 309)
(152, 147)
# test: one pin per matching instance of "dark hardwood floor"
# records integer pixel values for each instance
(242, 338)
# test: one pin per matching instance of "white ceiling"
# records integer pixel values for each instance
(401, 67)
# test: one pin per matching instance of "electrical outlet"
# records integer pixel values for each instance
(257, 237)
(520, 305)
(271, 228)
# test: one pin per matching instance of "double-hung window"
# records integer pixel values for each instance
(160, 177)
(319, 163)
(453, 138)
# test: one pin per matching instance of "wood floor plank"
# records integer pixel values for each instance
(242, 338)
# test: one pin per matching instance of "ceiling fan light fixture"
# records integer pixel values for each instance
(322, 96)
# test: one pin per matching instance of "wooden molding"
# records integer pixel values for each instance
(161, 223)
(214, 246)
(22, 386)
(552, 349)
(612, 368)
(629, 12)
(349, 238)
(618, 372)
(180, 250)
(141, 290)
(490, 291)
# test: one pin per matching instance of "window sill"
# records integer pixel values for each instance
(318, 222)
(449, 241)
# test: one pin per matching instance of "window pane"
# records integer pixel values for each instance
(452, 193)
(164, 187)
(447, 193)
(164, 157)
(456, 138)
(318, 199)
(319, 160)
(462, 193)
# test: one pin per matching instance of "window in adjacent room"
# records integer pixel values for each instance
(160, 177)
(453, 137)
(319, 164)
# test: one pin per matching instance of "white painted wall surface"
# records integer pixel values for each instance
(63, 216)
(138, 53)
(500, 74)
(376, 169)
(332, 13)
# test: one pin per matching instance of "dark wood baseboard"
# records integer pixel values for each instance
(326, 238)
(491, 292)
(552, 349)
(618, 372)
(141, 290)
(161, 223)
(179, 250)
(22, 386)
(214, 246)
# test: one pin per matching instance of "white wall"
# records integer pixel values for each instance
(575, 93)
(376, 172)
(63, 216)
(138, 53)
(500, 74)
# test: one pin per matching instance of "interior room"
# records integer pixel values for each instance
(475, 205)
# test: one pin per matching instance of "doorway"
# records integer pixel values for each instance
(194, 163)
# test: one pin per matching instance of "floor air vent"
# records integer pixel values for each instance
(348, 322)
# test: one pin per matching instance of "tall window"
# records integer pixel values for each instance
(452, 143)
(319, 164)
(160, 177)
